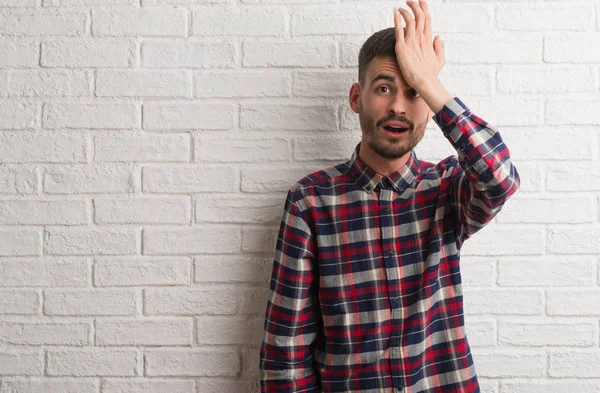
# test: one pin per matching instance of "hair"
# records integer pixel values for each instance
(381, 43)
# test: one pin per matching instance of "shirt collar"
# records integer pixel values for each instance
(369, 179)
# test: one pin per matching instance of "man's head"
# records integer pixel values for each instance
(382, 95)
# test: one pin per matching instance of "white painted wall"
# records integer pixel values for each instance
(146, 147)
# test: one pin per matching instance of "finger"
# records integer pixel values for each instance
(427, 20)
(410, 25)
(399, 28)
(414, 5)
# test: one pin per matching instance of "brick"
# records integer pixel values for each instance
(19, 302)
(323, 84)
(19, 52)
(20, 148)
(547, 210)
(21, 363)
(261, 240)
(154, 21)
(189, 178)
(239, 209)
(253, 301)
(242, 150)
(45, 333)
(339, 19)
(288, 117)
(497, 240)
(185, 115)
(481, 333)
(574, 240)
(288, 54)
(44, 272)
(349, 50)
(55, 83)
(525, 17)
(494, 364)
(232, 268)
(99, 178)
(574, 364)
(229, 330)
(90, 302)
(248, 84)
(39, 22)
(90, 241)
(546, 79)
(76, 3)
(91, 115)
(547, 334)
(553, 386)
(267, 180)
(88, 52)
(572, 112)
(573, 302)
(163, 332)
(142, 147)
(55, 212)
(66, 385)
(192, 362)
(144, 83)
(524, 143)
(141, 271)
(190, 53)
(147, 386)
(477, 272)
(18, 180)
(158, 241)
(15, 115)
(221, 385)
(503, 302)
(494, 50)
(92, 363)
(143, 210)
(17, 241)
(178, 301)
(324, 148)
(575, 47)
(238, 21)
(546, 271)
(580, 176)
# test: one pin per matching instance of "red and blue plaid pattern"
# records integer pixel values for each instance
(366, 289)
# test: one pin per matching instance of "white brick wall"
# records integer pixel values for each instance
(146, 147)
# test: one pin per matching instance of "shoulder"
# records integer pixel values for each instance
(313, 183)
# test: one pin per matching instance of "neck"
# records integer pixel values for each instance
(381, 165)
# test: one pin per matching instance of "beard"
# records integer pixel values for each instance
(384, 145)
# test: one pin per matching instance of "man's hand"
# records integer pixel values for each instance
(419, 60)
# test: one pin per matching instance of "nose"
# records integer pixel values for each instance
(397, 105)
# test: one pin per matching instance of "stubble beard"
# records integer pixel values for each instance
(385, 146)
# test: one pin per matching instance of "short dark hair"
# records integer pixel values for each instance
(381, 43)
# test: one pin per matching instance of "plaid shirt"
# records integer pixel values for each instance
(366, 289)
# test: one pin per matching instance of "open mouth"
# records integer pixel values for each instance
(395, 130)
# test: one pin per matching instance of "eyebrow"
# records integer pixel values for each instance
(388, 78)
(384, 77)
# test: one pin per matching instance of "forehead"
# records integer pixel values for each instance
(385, 66)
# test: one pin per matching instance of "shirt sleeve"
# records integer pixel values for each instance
(485, 177)
(292, 315)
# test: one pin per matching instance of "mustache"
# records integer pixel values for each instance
(400, 119)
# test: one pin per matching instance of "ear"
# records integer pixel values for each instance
(354, 97)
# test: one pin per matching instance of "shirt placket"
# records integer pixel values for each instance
(391, 260)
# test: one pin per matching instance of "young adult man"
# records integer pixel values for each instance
(366, 289)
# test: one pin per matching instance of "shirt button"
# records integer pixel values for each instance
(398, 301)
(395, 341)
(386, 209)
(389, 254)
(399, 387)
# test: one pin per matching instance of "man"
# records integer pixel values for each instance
(366, 289)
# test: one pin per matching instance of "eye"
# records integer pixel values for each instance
(416, 92)
(380, 87)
